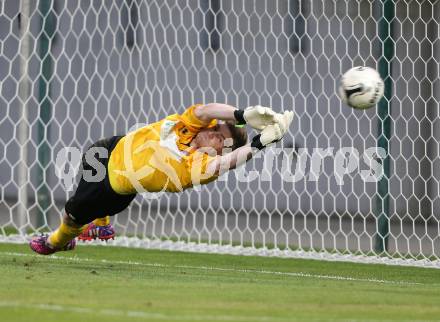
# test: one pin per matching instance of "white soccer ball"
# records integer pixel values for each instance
(361, 87)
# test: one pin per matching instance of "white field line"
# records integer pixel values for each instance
(137, 314)
(192, 247)
(164, 316)
(221, 269)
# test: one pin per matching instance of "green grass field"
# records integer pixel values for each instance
(120, 284)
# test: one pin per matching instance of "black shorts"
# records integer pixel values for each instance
(96, 199)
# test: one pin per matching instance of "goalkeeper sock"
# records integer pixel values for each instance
(65, 233)
(102, 221)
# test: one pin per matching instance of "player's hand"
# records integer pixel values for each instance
(274, 132)
(284, 120)
(257, 116)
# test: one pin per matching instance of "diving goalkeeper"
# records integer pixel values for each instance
(171, 155)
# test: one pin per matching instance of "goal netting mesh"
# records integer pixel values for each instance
(73, 72)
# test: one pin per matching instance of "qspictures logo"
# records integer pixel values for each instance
(304, 164)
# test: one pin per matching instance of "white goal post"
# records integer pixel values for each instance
(343, 184)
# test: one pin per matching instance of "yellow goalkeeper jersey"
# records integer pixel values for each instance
(157, 157)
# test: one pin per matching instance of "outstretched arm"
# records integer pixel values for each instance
(231, 160)
(212, 111)
(270, 134)
(257, 116)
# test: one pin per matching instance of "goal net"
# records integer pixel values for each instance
(343, 184)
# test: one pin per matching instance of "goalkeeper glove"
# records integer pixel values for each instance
(257, 116)
(275, 132)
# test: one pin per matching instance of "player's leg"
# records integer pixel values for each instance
(91, 200)
(65, 233)
(100, 228)
(79, 210)
(62, 239)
